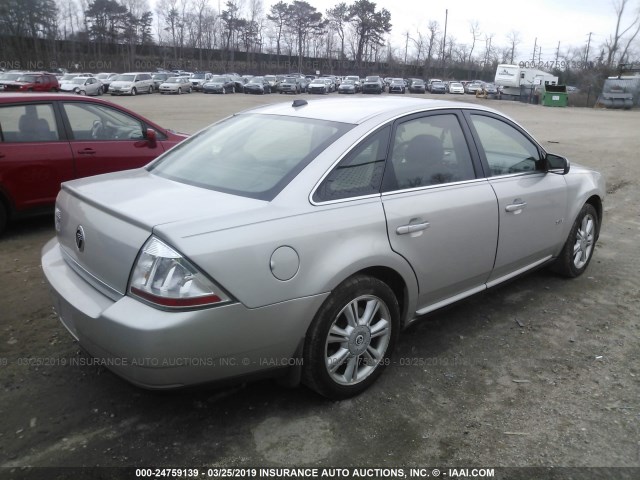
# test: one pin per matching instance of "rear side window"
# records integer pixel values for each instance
(359, 173)
(28, 123)
(427, 151)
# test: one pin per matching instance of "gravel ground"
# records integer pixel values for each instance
(542, 372)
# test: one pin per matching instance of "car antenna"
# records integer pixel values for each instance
(299, 103)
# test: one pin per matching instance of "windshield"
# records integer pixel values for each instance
(78, 80)
(27, 78)
(224, 157)
(198, 75)
(160, 76)
(372, 79)
(348, 82)
(218, 80)
(256, 80)
(125, 78)
(10, 76)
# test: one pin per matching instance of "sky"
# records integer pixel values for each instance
(566, 21)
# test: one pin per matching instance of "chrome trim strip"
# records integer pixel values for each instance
(479, 288)
(451, 300)
(95, 282)
(438, 185)
(518, 272)
(453, 106)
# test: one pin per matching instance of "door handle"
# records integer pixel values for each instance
(514, 207)
(412, 228)
(87, 151)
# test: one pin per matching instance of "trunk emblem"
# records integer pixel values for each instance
(80, 238)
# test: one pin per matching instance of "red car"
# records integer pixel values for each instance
(33, 82)
(46, 139)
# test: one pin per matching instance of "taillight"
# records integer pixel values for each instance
(165, 278)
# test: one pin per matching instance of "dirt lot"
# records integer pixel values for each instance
(541, 372)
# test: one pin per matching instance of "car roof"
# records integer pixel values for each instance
(359, 110)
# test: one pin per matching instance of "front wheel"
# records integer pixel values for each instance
(578, 250)
(133, 91)
(351, 338)
(179, 91)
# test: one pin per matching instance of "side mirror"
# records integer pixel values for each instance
(557, 164)
(150, 135)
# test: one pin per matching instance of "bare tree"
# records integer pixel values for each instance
(474, 27)
(432, 39)
(613, 42)
(514, 41)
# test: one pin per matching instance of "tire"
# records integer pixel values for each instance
(179, 91)
(578, 249)
(82, 92)
(133, 92)
(341, 357)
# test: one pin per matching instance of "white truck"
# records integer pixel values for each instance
(512, 77)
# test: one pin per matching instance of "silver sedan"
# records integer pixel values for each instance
(303, 249)
(177, 85)
(83, 86)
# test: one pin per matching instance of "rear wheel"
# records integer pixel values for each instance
(578, 250)
(351, 338)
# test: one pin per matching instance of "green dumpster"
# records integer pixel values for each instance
(555, 96)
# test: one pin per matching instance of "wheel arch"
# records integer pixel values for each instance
(596, 202)
(395, 282)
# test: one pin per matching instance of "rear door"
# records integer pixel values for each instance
(440, 217)
(34, 156)
(104, 139)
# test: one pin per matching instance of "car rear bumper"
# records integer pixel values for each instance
(162, 349)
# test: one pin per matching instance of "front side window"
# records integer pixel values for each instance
(429, 151)
(251, 155)
(359, 173)
(28, 123)
(506, 149)
(97, 122)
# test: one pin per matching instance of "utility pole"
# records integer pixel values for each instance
(555, 65)
(535, 47)
(444, 40)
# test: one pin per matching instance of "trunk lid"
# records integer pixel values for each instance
(103, 221)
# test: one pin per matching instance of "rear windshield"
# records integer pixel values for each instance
(251, 155)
